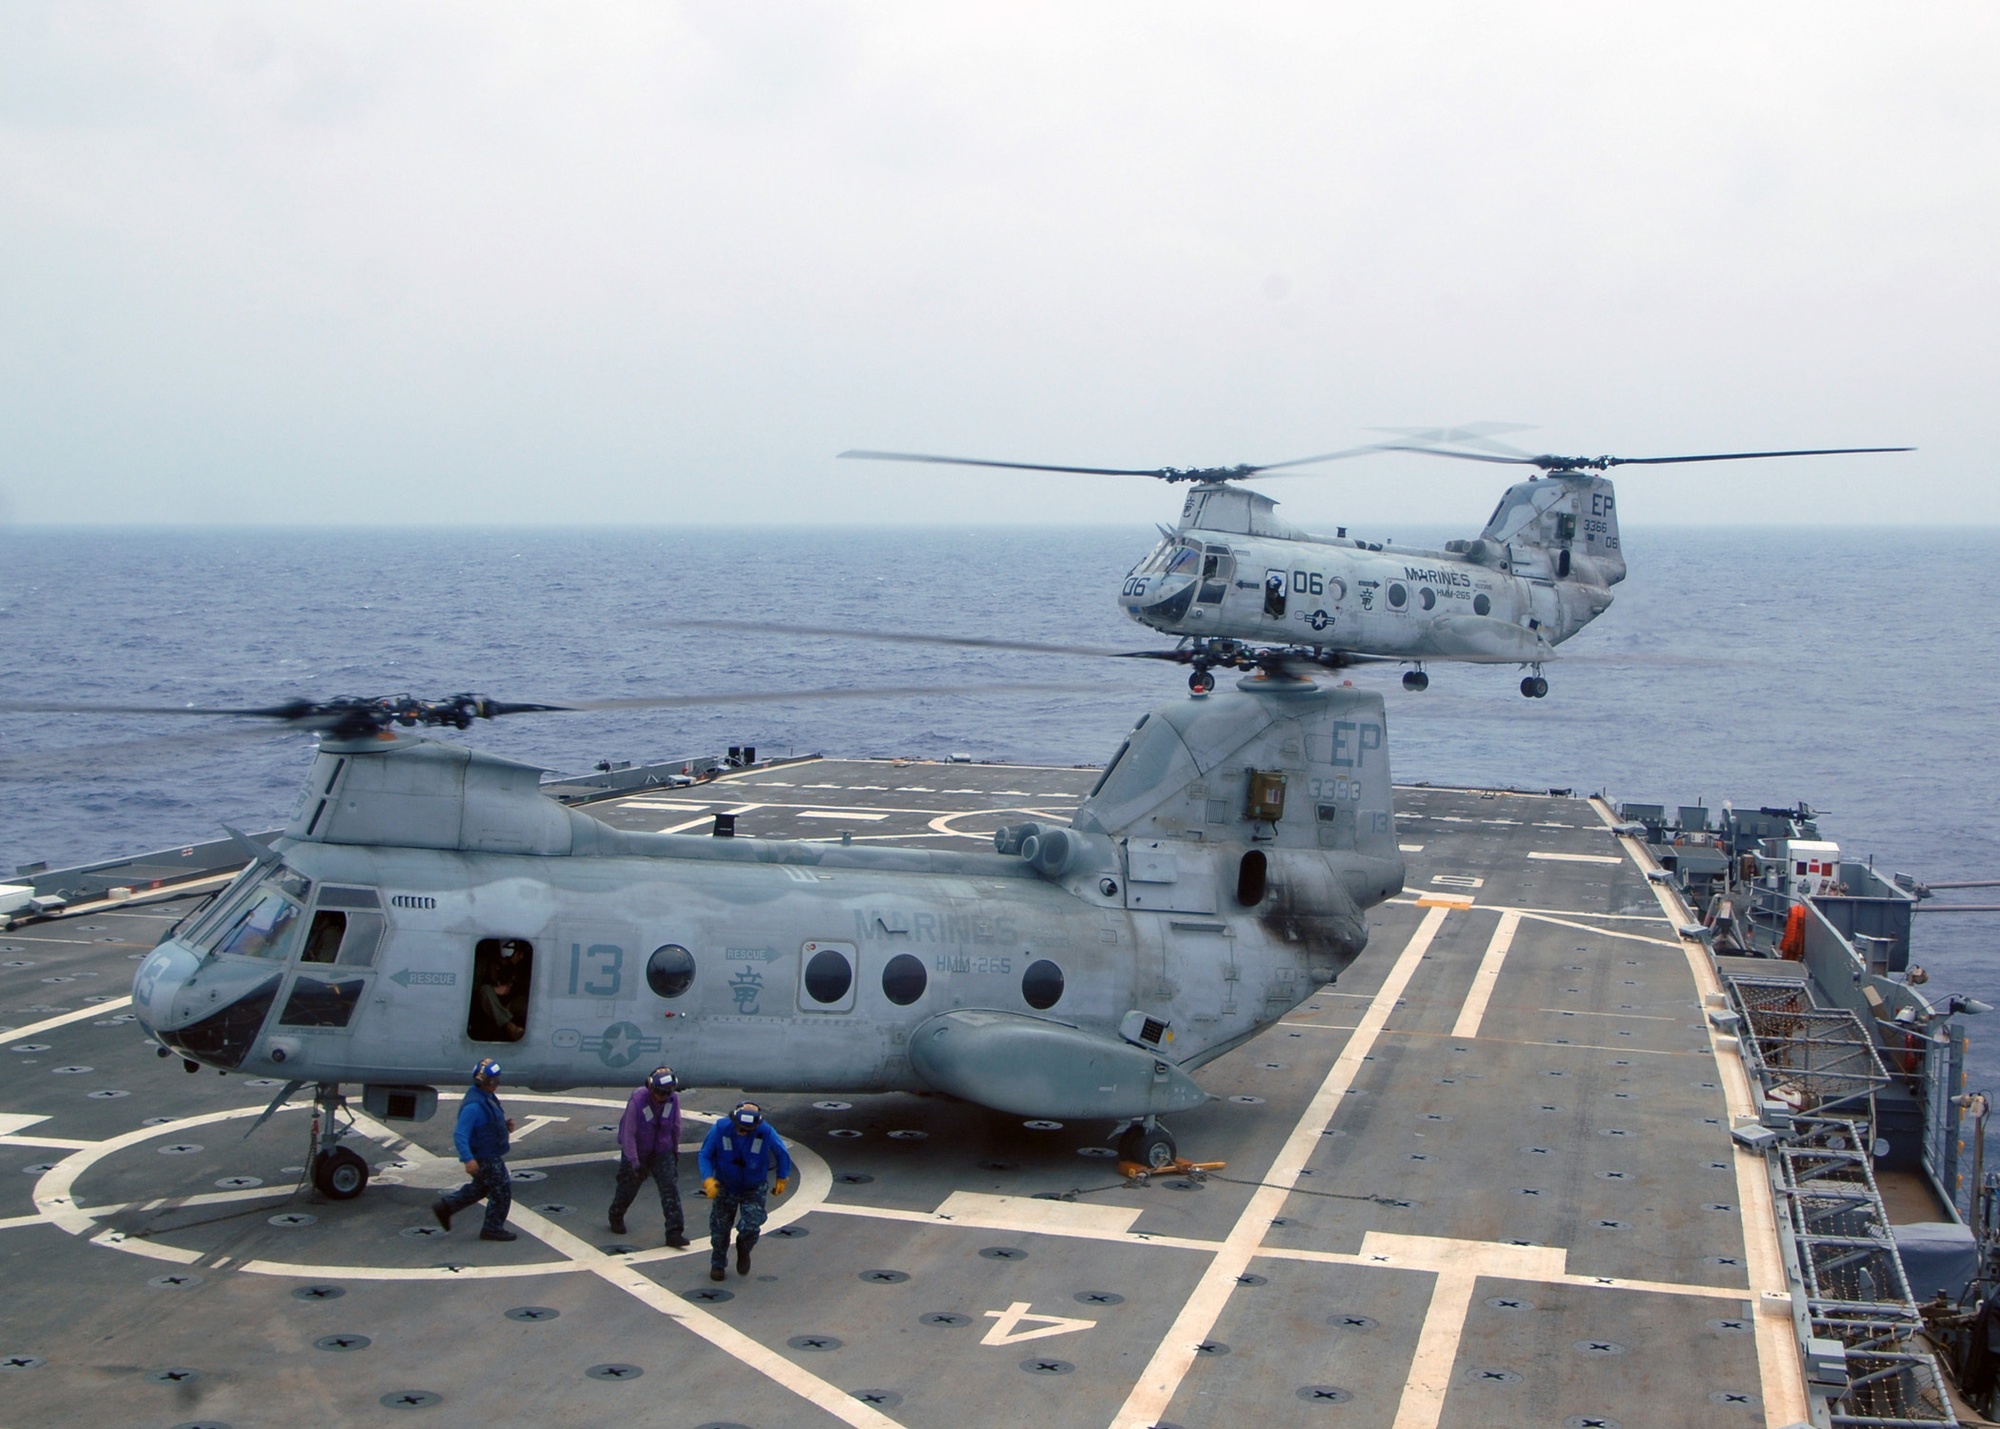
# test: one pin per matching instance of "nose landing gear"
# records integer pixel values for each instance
(1416, 679)
(1534, 686)
(1147, 1143)
(337, 1173)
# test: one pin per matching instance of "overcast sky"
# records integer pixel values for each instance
(364, 263)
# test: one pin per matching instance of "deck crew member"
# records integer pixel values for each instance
(649, 1142)
(740, 1153)
(482, 1140)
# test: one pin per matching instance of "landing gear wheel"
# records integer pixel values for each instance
(1534, 687)
(339, 1174)
(1201, 681)
(1153, 1149)
(1416, 680)
(1541, 687)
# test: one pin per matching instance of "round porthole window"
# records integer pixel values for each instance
(1336, 589)
(828, 976)
(670, 971)
(904, 979)
(1399, 595)
(1481, 605)
(1042, 984)
(1426, 597)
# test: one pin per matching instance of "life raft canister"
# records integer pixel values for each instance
(1793, 945)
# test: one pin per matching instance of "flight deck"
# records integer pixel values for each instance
(1485, 1179)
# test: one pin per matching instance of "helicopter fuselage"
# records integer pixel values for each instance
(1233, 571)
(428, 906)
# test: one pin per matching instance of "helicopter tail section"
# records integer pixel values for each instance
(1560, 527)
(1273, 798)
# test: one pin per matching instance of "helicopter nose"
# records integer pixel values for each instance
(205, 1010)
(1168, 605)
(159, 981)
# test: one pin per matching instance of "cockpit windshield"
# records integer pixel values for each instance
(263, 931)
(1184, 561)
(1155, 558)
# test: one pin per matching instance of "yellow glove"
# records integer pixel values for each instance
(711, 1188)
(778, 1186)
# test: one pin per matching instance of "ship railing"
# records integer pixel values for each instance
(1857, 1323)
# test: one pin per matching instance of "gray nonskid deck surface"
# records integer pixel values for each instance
(1527, 1221)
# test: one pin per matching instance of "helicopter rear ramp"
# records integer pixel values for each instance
(1487, 1178)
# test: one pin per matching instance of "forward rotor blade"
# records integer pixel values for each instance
(911, 637)
(1323, 456)
(1003, 465)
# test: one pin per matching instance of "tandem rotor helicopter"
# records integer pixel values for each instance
(1238, 584)
(1216, 875)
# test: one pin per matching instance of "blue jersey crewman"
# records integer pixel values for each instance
(482, 1141)
(740, 1154)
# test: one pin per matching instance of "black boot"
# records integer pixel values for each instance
(742, 1256)
(617, 1220)
(443, 1213)
(716, 1272)
(677, 1241)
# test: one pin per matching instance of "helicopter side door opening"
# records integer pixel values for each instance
(502, 977)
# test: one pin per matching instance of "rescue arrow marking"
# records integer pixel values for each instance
(1007, 1325)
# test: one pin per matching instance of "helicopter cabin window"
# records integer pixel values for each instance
(347, 928)
(502, 973)
(1274, 594)
(1399, 595)
(1426, 597)
(1482, 605)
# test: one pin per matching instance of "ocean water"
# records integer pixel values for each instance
(1846, 667)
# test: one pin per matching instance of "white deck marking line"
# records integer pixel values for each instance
(16, 1222)
(1474, 1007)
(725, 1337)
(48, 1143)
(1171, 1361)
(1780, 1370)
(96, 1009)
(1600, 932)
(1458, 1264)
(1579, 1012)
(978, 1222)
(854, 814)
(1575, 857)
(691, 823)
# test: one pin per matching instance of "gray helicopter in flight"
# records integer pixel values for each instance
(1217, 874)
(1237, 583)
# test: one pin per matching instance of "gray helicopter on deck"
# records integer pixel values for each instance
(1216, 876)
(1238, 584)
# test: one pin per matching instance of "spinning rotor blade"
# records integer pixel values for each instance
(755, 697)
(1161, 473)
(910, 637)
(1471, 434)
(1605, 463)
(350, 718)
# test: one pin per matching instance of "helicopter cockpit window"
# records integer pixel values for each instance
(1184, 561)
(502, 974)
(1156, 558)
(263, 931)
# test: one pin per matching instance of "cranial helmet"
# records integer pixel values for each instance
(747, 1115)
(487, 1068)
(662, 1080)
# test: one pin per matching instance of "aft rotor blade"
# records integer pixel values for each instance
(912, 637)
(1745, 456)
(1003, 465)
(1600, 463)
(290, 711)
